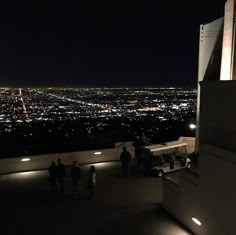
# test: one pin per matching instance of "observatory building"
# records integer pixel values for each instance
(204, 199)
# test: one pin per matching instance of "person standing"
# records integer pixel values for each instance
(138, 152)
(91, 181)
(75, 177)
(53, 176)
(147, 161)
(61, 173)
(125, 158)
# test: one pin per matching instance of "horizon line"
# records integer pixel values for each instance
(100, 87)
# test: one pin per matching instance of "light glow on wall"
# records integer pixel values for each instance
(196, 221)
(102, 165)
(97, 153)
(25, 159)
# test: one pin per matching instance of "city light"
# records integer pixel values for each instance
(196, 221)
(192, 126)
(82, 113)
(25, 159)
(53, 104)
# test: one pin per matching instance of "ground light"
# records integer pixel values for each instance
(97, 153)
(192, 126)
(196, 221)
(25, 159)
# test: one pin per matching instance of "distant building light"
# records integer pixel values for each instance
(147, 109)
(97, 153)
(196, 221)
(25, 159)
(192, 126)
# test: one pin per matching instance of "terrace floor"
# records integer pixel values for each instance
(121, 206)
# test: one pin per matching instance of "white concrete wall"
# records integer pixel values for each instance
(209, 35)
(228, 42)
(9, 165)
(182, 200)
(218, 200)
(190, 141)
(217, 121)
(171, 196)
(210, 196)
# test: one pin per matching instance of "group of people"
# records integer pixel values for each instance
(143, 159)
(57, 171)
(143, 155)
(57, 174)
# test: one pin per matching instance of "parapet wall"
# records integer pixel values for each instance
(10, 165)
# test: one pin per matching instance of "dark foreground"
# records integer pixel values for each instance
(121, 206)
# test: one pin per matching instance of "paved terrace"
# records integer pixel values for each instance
(121, 206)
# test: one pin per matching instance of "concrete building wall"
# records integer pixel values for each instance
(210, 36)
(228, 42)
(217, 163)
(190, 143)
(184, 202)
(217, 116)
(9, 165)
(218, 200)
(209, 192)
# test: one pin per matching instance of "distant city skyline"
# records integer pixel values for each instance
(52, 104)
(87, 118)
(96, 87)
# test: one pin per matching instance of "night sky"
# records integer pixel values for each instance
(111, 44)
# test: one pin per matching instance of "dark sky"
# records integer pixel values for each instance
(150, 43)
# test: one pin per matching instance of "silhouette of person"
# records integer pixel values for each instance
(144, 139)
(61, 173)
(125, 158)
(53, 176)
(138, 151)
(75, 177)
(91, 181)
(147, 161)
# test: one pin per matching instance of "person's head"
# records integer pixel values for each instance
(124, 149)
(92, 169)
(58, 160)
(74, 163)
